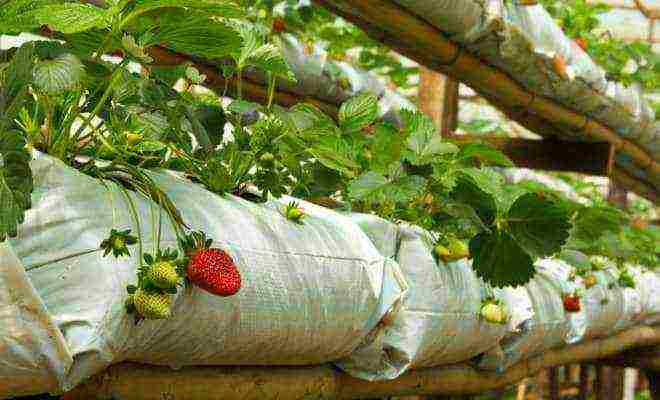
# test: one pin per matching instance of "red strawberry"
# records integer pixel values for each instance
(582, 43)
(572, 303)
(279, 25)
(211, 269)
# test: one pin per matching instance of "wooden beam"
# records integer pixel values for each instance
(550, 154)
(410, 35)
(141, 382)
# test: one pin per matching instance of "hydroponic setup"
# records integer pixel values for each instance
(234, 199)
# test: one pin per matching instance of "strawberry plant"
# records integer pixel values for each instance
(115, 120)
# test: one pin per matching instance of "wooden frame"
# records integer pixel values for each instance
(140, 382)
(417, 39)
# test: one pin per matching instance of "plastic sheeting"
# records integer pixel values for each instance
(311, 293)
(522, 41)
(347, 288)
(33, 354)
(437, 322)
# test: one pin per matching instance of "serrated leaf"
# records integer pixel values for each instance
(469, 190)
(221, 8)
(256, 53)
(358, 112)
(307, 116)
(486, 154)
(334, 160)
(70, 18)
(539, 225)
(576, 259)
(60, 74)
(592, 222)
(15, 182)
(192, 35)
(386, 147)
(424, 142)
(499, 260)
(466, 212)
(243, 106)
(375, 187)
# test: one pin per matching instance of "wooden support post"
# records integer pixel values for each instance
(584, 382)
(654, 383)
(554, 383)
(438, 99)
(609, 383)
(617, 195)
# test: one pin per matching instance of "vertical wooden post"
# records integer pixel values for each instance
(609, 383)
(617, 195)
(438, 98)
(584, 382)
(554, 383)
(654, 383)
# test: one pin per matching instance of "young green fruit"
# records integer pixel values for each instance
(493, 313)
(442, 252)
(163, 274)
(590, 281)
(458, 249)
(294, 213)
(152, 305)
(133, 138)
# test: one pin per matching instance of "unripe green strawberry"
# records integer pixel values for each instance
(458, 249)
(442, 252)
(590, 281)
(294, 213)
(163, 274)
(152, 305)
(493, 313)
(133, 138)
(267, 159)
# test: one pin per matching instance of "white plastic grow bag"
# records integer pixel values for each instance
(437, 322)
(311, 292)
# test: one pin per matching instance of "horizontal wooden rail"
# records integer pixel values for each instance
(417, 39)
(551, 154)
(141, 382)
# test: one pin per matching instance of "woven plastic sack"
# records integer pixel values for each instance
(436, 323)
(33, 354)
(311, 292)
(550, 326)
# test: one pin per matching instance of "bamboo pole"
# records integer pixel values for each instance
(141, 382)
(423, 42)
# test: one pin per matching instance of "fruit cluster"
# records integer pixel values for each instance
(160, 276)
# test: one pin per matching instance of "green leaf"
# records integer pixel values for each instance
(256, 53)
(375, 187)
(193, 34)
(386, 147)
(592, 222)
(72, 17)
(499, 260)
(466, 212)
(358, 112)
(474, 189)
(220, 8)
(17, 16)
(424, 141)
(486, 154)
(15, 182)
(539, 225)
(334, 160)
(63, 73)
